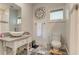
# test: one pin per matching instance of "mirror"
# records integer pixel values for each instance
(14, 18)
(10, 17)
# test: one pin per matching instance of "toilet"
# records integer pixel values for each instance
(56, 43)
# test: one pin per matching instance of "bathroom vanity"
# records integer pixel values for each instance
(14, 43)
(11, 21)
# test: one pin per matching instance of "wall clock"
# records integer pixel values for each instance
(40, 13)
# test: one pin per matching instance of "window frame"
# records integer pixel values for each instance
(56, 10)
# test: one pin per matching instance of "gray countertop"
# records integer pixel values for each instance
(8, 39)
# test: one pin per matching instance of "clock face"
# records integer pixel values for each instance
(40, 13)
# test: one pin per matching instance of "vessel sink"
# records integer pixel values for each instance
(16, 33)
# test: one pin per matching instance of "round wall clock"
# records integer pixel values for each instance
(40, 13)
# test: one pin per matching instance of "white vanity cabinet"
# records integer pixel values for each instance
(15, 43)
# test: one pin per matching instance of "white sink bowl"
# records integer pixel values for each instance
(16, 33)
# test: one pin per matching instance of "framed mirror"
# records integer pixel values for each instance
(10, 17)
(14, 18)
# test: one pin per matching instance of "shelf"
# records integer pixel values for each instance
(3, 22)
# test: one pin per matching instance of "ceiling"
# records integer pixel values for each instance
(4, 6)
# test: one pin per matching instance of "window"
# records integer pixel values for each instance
(56, 14)
(39, 29)
(19, 20)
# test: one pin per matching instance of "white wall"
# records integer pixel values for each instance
(67, 26)
(4, 27)
(71, 29)
(55, 27)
